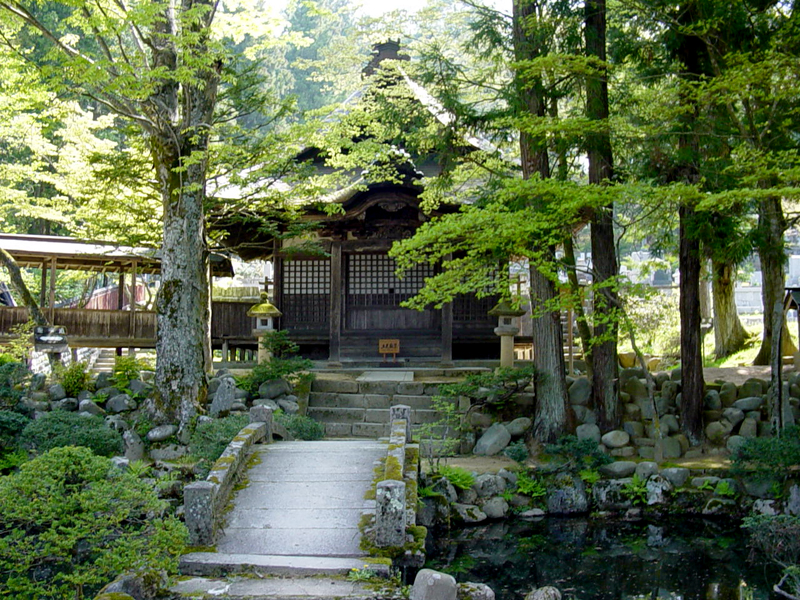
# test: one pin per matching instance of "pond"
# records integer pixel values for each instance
(607, 560)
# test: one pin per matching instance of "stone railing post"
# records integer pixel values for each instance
(390, 514)
(401, 412)
(263, 414)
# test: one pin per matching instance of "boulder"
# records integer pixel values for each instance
(37, 382)
(658, 490)
(547, 592)
(754, 386)
(170, 452)
(223, 399)
(792, 506)
(493, 441)
(633, 411)
(273, 389)
(134, 447)
(91, 407)
(645, 469)
(728, 394)
(626, 360)
(765, 507)
(290, 407)
(117, 423)
(615, 439)
(103, 380)
(433, 585)
(488, 485)
(646, 452)
(635, 429)
(567, 496)
(468, 513)
(161, 433)
(56, 392)
(618, 469)
(677, 476)
(519, 426)
(675, 374)
(468, 496)
(120, 403)
(510, 477)
(635, 388)
(706, 481)
(749, 428)
(712, 401)
(734, 443)
(65, 404)
(213, 385)
(750, 403)
(716, 431)
(135, 585)
(588, 432)
(670, 424)
(475, 591)
(446, 489)
(671, 448)
(138, 387)
(533, 513)
(122, 463)
(495, 508)
(734, 416)
(266, 402)
(85, 395)
(607, 494)
(580, 391)
(624, 452)
(669, 391)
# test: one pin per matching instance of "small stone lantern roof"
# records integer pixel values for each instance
(264, 309)
(504, 309)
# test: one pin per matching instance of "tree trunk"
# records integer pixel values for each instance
(551, 417)
(771, 225)
(19, 285)
(692, 384)
(604, 256)
(729, 334)
(705, 292)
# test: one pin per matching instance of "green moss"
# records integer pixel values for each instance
(114, 596)
(393, 469)
(213, 479)
(191, 549)
(254, 459)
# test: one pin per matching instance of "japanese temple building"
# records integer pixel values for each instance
(339, 306)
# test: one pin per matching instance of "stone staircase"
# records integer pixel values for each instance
(104, 363)
(350, 408)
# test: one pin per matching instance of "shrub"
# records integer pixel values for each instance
(75, 379)
(71, 522)
(126, 369)
(530, 486)
(12, 374)
(493, 389)
(6, 358)
(60, 428)
(300, 427)
(278, 344)
(635, 490)
(277, 368)
(458, 477)
(769, 457)
(210, 438)
(517, 451)
(583, 453)
(11, 426)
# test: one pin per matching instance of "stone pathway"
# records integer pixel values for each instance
(302, 499)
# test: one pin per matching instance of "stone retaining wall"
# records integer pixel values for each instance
(204, 501)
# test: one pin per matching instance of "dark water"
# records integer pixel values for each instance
(601, 560)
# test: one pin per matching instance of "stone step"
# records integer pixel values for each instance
(214, 563)
(367, 415)
(337, 400)
(293, 588)
(386, 388)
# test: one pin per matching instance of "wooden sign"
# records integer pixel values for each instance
(389, 346)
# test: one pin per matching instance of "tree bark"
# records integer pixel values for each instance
(551, 418)
(604, 256)
(19, 285)
(771, 225)
(729, 334)
(692, 384)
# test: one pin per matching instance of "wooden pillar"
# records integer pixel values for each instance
(132, 325)
(43, 288)
(335, 307)
(447, 331)
(224, 351)
(52, 300)
(277, 279)
(120, 299)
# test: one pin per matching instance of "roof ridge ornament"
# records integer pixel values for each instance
(381, 51)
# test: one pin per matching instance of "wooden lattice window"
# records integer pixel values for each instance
(469, 309)
(374, 274)
(306, 293)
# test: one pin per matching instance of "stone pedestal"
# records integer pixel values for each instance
(506, 334)
(264, 355)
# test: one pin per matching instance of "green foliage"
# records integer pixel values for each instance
(457, 476)
(60, 428)
(210, 438)
(6, 358)
(279, 344)
(583, 453)
(706, 486)
(75, 379)
(10, 460)
(126, 369)
(655, 320)
(769, 457)
(426, 492)
(301, 427)
(724, 489)
(778, 537)
(517, 451)
(11, 426)
(363, 574)
(589, 476)
(290, 369)
(71, 522)
(440, 437)
(530, 486)
(12, 375)
(493, 389)
(21, 343)
(635, 490)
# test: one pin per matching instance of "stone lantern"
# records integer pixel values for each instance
(506, 329)
(264, 312)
